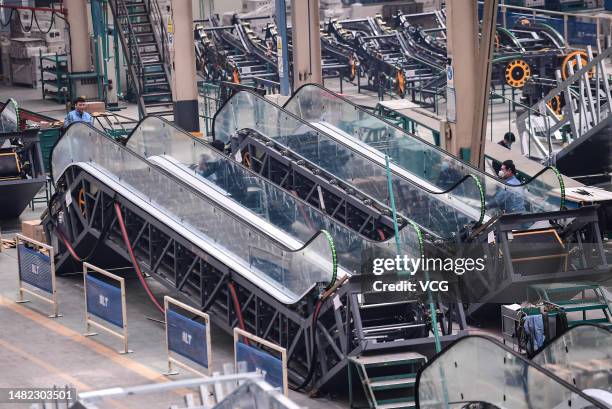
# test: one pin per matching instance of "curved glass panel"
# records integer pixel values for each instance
(479, 369)
(441, 214)
(583, 354)
(429, 163)
(154, 136)
(287, 274)
(9, 117)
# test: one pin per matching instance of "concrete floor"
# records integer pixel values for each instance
(43, 352)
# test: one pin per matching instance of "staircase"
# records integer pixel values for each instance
(143, 36)
(389, 380)
(584, 303)
(570, 127)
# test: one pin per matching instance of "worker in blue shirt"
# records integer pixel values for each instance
(78, 114)
(508, 200)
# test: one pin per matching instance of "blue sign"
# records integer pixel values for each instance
(257, 358)
(104, 300)
(187, 337)
(35, 269)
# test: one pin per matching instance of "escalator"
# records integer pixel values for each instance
(426, 163)
(515, 244)
(200, 234)
(480, 372)
(581, 356)
(439, 213)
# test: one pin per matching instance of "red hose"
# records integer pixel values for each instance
(133, 257)
(68, 246)
(232, 289)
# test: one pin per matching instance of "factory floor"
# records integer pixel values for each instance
(42, 352)
(47, 352)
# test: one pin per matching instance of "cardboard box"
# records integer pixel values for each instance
(95, 106)
(34, 230)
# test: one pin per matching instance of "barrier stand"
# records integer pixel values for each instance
(106, 302)
(261, 360)
(37, 270)
(194, 341)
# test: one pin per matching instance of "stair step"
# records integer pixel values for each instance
(157, 94)
(583, 306)
(397, 405)
(392, 383)
(138, 14)
(158, 104)
(591, 321)
(389, 359)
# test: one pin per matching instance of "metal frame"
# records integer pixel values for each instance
(167, 302)
(22, 289)
(283, 351)
(88, 319)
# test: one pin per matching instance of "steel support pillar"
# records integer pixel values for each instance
(184, 86)
(470, 77)
(80, 50)
(306, 43)
(281, 47)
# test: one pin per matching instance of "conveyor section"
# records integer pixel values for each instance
(441, 213)
(287, 273)
(427, 164)
(260, 202)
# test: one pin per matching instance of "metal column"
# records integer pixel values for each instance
(281, 47)
(184, 86)
(80, 52)
(306, 43)
(470, 76)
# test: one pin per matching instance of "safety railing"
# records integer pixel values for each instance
(286, 274)
(578, 30)
(155, 137)
(579, 103)
(160, 32)
(430, 164)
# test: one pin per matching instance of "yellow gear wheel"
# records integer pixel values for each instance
(570, 59)
(81, 201)
(400, 79)
(555, 104)
(517, 73)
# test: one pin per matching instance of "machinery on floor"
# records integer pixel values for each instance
(22, 172)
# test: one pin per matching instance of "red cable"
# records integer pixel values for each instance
(133, 257)
(232, 289)
(68, 246)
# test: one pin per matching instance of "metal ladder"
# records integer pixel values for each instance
(577, 298)
(388, 380)
(142, 33)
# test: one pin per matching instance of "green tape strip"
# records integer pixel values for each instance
(419, 234)
(482, 198)
(561, 185)
(330, 240)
